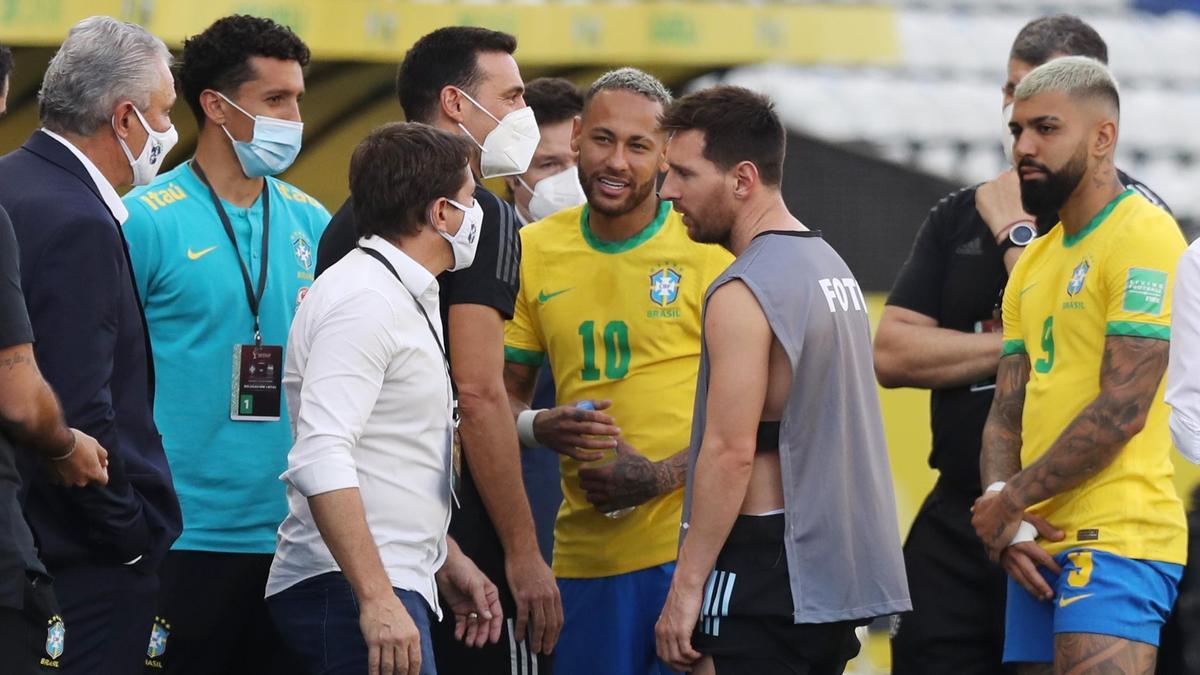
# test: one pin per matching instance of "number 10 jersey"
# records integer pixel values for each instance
(617, 321)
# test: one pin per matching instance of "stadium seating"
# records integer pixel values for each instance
(938, 110)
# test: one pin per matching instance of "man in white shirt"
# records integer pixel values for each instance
(363, 552)
(1183, 371)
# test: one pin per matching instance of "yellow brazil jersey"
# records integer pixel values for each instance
(1066, 294)
(618, 321)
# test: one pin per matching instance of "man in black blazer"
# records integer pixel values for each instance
(105, 105)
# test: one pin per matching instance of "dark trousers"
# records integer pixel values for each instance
(33, 637)
(318, 619)
(213, 620)
(108, 611)
(958, 595)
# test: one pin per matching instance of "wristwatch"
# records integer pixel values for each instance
(1021, 233)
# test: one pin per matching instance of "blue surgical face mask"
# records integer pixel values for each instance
(273, 147)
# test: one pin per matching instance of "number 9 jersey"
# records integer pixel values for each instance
(618, 321)
(1066, 295)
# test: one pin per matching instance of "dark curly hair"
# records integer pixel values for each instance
(219, 58)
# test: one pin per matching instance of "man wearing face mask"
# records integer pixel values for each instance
(363, 553)
(105, 112)
(940, 331)
(223, 253)
(465, 81)
(551, 183)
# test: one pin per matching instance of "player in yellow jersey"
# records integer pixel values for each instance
(611, 295)
(1077, 440)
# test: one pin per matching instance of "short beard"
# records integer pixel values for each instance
(1044, 198)
(715, 228)
(637, 195)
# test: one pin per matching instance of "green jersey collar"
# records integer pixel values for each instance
(624, 245)
(1070, 240)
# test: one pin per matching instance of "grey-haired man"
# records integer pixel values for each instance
(105, 113)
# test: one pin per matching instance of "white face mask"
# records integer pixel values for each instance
(509, 147)
(466, 240)
(1007, 139)
(158, 143)
(555, 193)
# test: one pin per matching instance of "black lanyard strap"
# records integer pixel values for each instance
(253, 296)
(428, 322)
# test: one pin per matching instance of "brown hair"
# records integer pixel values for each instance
(738, 125)
(398, 170)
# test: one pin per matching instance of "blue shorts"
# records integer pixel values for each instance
(608, 623)
(1098, 593)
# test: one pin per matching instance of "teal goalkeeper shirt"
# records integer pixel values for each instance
(226, 473)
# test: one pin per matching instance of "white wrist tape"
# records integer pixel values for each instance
(525, 428)
(1025, 531)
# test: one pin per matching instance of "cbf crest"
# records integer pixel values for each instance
(1077, 278)
(303, 251)
(664, 286)
(56, 636)
(159, 632)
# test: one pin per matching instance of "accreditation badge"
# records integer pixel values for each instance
(257, 391)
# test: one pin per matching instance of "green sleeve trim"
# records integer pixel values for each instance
(523, 356)
(1013, 347)
(1138, 329)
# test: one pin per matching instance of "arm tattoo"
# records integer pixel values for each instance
(1000, 455)
(10, 362)
(1129, 377)
(637, 480)
(519, 380)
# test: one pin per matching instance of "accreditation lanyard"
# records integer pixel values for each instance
(455, 441)
(428, 322)
(253, 294)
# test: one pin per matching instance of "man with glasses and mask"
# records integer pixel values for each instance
(105, 112)
(223, 253)
(464, 80)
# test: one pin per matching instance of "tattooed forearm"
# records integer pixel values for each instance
(1129, 378)
(519, 380)
(672, 472)
(1000, 457)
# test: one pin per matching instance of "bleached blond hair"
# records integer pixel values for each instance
(1078, 76)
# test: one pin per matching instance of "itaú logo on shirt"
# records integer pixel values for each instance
(842, 294)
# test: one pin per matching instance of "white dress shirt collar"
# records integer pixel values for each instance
(415, 278)
(111, 199)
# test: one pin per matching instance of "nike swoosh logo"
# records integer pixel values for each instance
(543, 296)
(196, 255)
(1026, 289)
(1063, 601)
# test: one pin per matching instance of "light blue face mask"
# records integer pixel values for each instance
(272, 148)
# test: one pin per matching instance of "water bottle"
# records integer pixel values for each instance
(610, 456)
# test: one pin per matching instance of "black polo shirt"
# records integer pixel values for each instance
(18, 555)
(955, 274)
